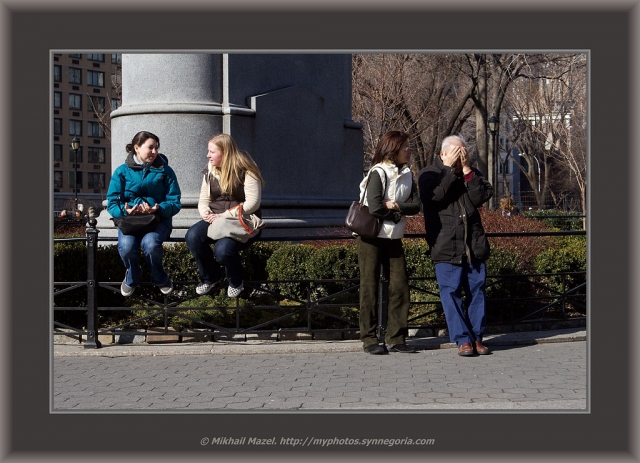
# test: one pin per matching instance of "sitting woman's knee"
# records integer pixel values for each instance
(224, 253)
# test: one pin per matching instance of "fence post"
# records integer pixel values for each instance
(383, 303)
(92, 286)
(308, 285)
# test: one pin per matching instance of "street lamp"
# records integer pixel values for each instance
(75, 146)
(537, 162)
(494, 126)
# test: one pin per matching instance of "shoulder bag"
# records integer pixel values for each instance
(234, 223)
(136, 225)
(359, 220)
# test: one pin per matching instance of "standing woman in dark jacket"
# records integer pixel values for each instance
(391, 194)
(230, 178)
(451, 192)
(144, 184)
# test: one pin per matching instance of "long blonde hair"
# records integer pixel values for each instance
(234, 163)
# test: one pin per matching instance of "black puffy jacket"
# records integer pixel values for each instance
(451, 216)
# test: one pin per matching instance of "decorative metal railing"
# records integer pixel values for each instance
(520, 299)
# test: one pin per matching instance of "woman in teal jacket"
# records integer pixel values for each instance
(144, 184)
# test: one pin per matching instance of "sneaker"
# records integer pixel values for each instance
(167, 287)
(235, 292)
(402, 348)
(375, 349)
(125, 289)
(203, 288)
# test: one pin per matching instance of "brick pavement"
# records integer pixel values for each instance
(517, 376)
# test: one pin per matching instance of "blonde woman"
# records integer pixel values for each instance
(230, 178)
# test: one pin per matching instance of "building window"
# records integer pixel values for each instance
(95, 180)
(75, 127)
(96, 103)
(96, 155)
(57, 126)
(75, 101)
(72, 176)
(116, 58)
(115, 103)
(57, 179)
(95, 78)
(57, 153)
(75, 76)
(116, 80)
(57, 100)
(57, 73)
(94, 130)
(75, 55)
(96, 57)
(72, 157)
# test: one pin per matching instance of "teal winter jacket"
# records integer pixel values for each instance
(154, 184)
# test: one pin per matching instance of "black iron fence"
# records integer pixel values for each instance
(328, 306)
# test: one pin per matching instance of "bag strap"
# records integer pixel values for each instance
(241, 218)
(386, 184)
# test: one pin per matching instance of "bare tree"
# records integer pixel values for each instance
(421, 94)
(549, 128)
(102, 107)
(431, 96)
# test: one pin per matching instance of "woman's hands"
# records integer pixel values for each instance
(210, 217)
(142, 208)
(391, 205)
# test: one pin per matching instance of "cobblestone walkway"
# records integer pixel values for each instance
(523, 377)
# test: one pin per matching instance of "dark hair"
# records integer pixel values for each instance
(140, 138)
(389, 147)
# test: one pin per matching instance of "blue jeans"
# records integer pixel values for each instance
(464, 326)
(151, 244)
(226, 252)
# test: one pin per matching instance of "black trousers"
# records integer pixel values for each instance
(390, 253)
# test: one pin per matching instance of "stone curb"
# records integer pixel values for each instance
(293, 347)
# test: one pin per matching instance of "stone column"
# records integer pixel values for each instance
(179, 98)
(291, 112)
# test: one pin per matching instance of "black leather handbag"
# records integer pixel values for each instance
(359, 220)
(137, 225)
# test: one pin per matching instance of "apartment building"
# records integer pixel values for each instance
(86, 87)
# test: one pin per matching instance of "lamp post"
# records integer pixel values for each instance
(75, 146)
(494, 126)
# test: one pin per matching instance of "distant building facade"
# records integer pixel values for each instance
(85, 88)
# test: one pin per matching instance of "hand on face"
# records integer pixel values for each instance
(457, 157)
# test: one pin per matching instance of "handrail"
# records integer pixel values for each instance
(92, 309)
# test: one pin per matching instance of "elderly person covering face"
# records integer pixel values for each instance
(451, 192)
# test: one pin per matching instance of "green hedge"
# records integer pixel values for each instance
(285, 261)
(568, 255)
(558, 220)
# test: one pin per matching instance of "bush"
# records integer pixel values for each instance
(286, 261)
(291, 262)
(523, 248)
(568, 255)
(559, 221)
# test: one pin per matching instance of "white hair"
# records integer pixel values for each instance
(448, 141)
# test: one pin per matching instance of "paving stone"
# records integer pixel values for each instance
(519, 377)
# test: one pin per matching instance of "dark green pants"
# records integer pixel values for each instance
(371, 253)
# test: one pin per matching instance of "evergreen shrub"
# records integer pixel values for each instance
(282, 261)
